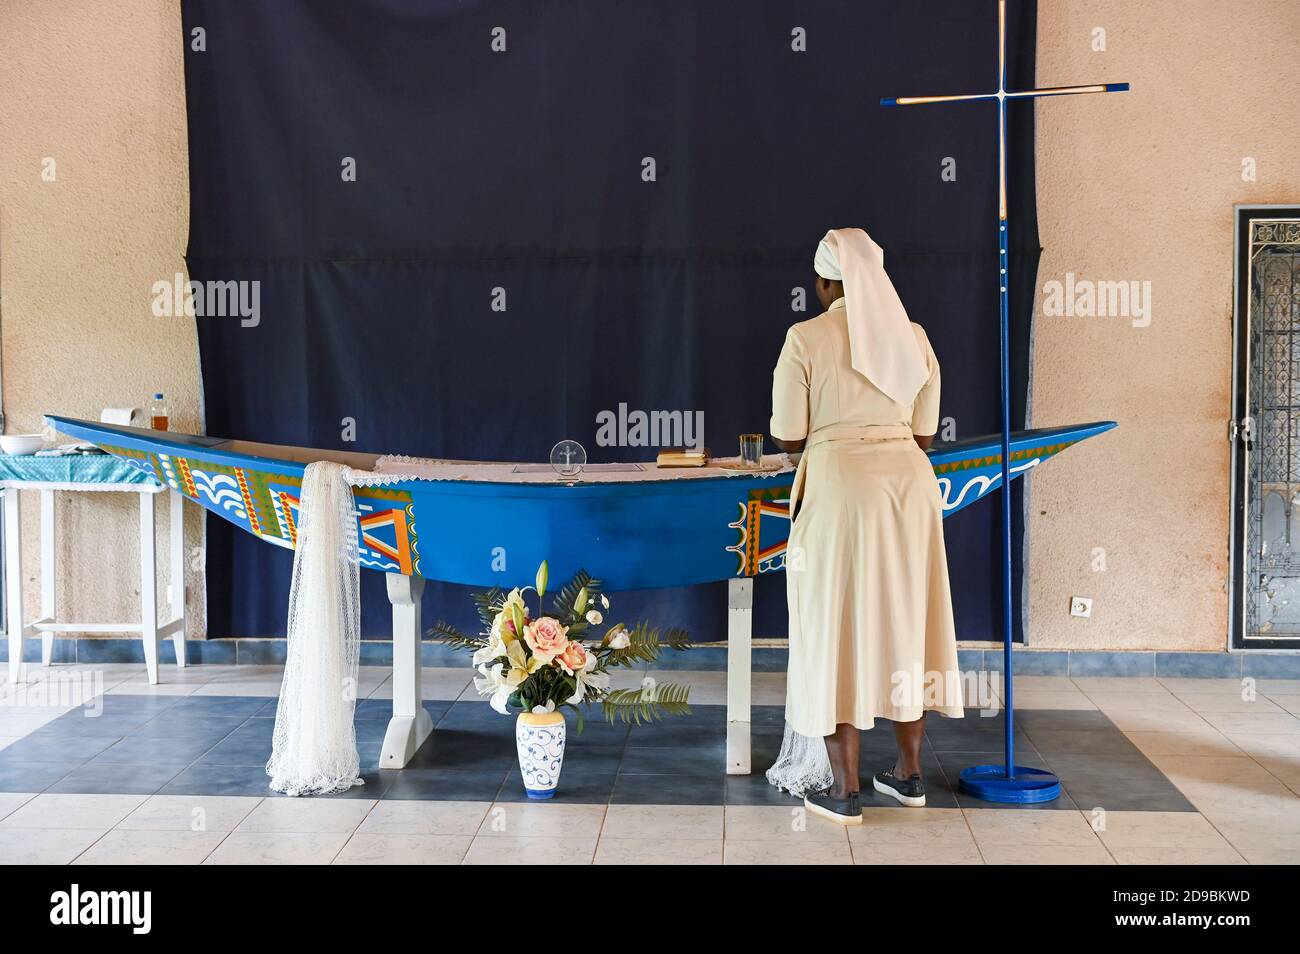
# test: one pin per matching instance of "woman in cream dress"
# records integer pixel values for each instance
(871, 627)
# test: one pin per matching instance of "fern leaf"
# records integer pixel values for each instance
(568, 595)
(450, 634)
(488, 604)
(637, 706)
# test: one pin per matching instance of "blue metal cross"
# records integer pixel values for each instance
(1008, 782)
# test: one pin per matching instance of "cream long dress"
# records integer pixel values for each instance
(871, 627)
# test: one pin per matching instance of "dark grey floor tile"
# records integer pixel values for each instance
(445, 784)
(455, 755)
(598, 759)
(207, 779)
(368, 729)
(972, 739)
(53, 749)
(664, 735)
(32, 776)
(766, 715)
(224, 706)
(475, 713)
(110, 778)
(382, 709)
(1118, 783)
(755, 789)
(485, 736)
(703, 760)
(577, 787)
(239, 748)
(368, 753)
(595, 732)
(121, 703)
(136, 750)
(1112, 797)
(1054, 742)
(669, 789)
(699, 715)
(376, 783)
(73, 724)
(192, 725)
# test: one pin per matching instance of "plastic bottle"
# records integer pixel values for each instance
(158, 413)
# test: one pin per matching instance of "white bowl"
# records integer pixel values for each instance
(22, 443)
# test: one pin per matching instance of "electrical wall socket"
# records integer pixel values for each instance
(1081, 606)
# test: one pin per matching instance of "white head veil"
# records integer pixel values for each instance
(882, 345)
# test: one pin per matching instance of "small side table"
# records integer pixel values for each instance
(91, 473)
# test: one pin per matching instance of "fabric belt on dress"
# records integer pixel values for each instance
(843, 434)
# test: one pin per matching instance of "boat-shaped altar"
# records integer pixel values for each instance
(643, 526)
(640, 526)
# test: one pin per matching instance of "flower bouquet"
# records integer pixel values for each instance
(537, 665)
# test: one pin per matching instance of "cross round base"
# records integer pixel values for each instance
(1025, 786)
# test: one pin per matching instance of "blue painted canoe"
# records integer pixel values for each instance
(637, 534)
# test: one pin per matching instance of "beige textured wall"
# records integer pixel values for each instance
(1136, 186)
(99, 88)
(1140, 186)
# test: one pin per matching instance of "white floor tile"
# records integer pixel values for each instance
(213, 813)
(53, 846)
(533, 851)
(522, 820)
(98, 812)
(670, 822)
(371, 848)
(307, 815)
(120, 847)
(402, 817)
(659, 851)
(277, 848)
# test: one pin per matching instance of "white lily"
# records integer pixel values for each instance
(495, 649)
(587, 679)
(492, 680)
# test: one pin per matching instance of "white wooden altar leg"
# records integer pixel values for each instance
(176, 546)
(148, 589)
(740, 627)
(411, 723)
(14, 582)
(47, 574)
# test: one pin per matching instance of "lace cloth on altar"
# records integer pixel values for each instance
(314, 746)
(802, 766)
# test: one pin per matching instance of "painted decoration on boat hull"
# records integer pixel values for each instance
(641, 534)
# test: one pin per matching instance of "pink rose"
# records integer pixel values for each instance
(573, 658)
(546, 638)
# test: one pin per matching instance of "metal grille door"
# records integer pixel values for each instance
(1266, 436)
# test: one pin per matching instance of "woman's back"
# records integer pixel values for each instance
(816, 387)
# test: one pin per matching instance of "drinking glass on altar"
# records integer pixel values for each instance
(751, 450)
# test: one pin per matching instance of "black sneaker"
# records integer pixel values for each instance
(911, 791)
(841, 811)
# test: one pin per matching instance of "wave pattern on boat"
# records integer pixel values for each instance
(639, 534)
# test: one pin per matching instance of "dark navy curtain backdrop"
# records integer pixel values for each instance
(522, 170)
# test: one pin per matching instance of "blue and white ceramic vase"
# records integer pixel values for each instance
(539, 737)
